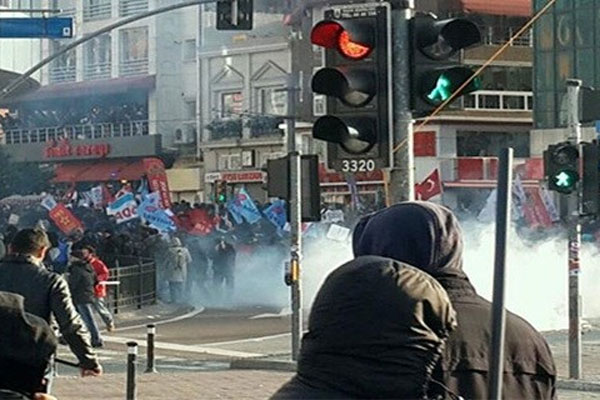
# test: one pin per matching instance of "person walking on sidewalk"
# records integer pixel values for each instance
(179, 259)
(102, 275)
(46, 294)
(82, 280)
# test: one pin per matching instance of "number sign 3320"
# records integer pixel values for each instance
(364, 165)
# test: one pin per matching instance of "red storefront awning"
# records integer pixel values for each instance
(513, 8)
(101, 171)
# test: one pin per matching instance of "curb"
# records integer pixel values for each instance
(273, 365)
(583, 386)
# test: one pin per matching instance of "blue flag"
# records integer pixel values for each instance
(244, 206)
(233, 210)
(276, 213)
(158, 218)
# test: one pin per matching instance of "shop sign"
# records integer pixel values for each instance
(236, 177)
(65, 149)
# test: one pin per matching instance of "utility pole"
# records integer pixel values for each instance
(572, 219)
(402, 179)
(295, 205)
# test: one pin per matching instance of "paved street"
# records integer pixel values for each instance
(194, 354)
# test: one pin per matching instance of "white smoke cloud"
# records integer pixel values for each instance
(536, 286)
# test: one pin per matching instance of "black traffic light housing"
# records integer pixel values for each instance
(278, 185)
(235, 15)
(436, 72)
(357, 82)
(561, 167)
(220, 192)
(590, 179)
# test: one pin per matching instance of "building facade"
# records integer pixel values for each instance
(567, 47)
(122, 90)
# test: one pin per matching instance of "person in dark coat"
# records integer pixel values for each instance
(46, 294)
(27, 344)
(429, 237)
(224, 265)
(376, 331)
(82, 281)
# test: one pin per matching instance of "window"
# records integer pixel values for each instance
(63, 68)
(230, 162)
(96, 10)
(189, 50)
(98, 58)
(273, 100)
(231, 104)
(134, 51)
(488, 144)
(190, 109)
(132, 7)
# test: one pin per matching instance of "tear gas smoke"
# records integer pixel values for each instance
(536, 289)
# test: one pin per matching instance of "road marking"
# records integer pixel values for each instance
(249, 340)
(191, 314)
(187, 348)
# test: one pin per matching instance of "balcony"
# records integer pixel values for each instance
(62, 74)
(77, 132)
(132, 7)
(97, 71)
(134, 67)
(483, 171)
(499, 100)
(96, 12)
(495, 37)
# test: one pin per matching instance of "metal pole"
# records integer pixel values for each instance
(125, 21)
(150, 368)
(295, 206)
(402, 180)
(498, 310)
(575, 366)
(132, 351)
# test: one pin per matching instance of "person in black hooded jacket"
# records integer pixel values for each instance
(429, 237)
(376, 331)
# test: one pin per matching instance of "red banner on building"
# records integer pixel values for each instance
(64, 219)
(157, 180)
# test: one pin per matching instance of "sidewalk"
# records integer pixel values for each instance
(227, 384)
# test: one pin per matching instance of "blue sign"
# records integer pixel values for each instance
(23, 28)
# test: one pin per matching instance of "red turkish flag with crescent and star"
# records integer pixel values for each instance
(430, 187)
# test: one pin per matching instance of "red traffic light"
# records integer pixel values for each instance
(352, 40)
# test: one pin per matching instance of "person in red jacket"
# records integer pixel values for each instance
(102, 274)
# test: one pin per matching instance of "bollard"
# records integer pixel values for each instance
(132, 351)
(150, 368)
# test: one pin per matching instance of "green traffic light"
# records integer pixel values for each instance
(221, 198)
(442, 91)
(565, 180)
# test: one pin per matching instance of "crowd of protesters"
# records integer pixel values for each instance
(63, 117)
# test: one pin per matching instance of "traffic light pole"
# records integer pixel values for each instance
(402, 180)
(295, 205)
(572, 218)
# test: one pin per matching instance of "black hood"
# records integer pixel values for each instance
(422, 234)
(376, 330)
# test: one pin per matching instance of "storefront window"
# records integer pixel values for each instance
(231, 104)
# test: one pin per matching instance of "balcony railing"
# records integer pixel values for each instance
(132, 7)
(499, 100)
(60, 74)
(77, 132)
(134, 67)
(492, 37)
(94, 12)
(97, 71)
